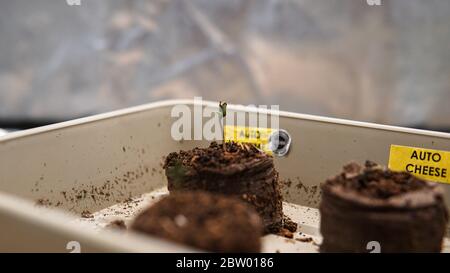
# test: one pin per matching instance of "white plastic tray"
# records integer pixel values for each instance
(98, 162)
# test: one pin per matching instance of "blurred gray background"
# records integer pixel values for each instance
(341, 58)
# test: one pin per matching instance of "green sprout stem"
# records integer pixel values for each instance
(223, 111)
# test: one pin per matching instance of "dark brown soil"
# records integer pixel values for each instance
(242, 171)
(399, 211)
(286, 233)
(117, 224)
(289, 224)
(213, 157)
(376, 182)
(203, 220)
(86, 214)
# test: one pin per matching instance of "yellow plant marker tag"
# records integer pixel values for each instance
(432, 165)
(256, 136)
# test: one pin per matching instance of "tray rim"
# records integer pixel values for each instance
(235, 107)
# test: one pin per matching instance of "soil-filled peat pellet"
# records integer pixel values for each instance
(241, 171)
(371, 206)
(203, 220)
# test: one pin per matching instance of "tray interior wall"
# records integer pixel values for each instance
(96, 162)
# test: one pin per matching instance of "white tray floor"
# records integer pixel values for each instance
(306, 218)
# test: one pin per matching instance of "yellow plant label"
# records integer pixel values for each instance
(256, 136)
(431, 165)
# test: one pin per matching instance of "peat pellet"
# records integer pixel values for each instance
(203, 220)
(241, 171)
(366, 206)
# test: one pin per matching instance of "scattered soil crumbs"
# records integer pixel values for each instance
(117, 224)
(295, 187)
(288, 229)
(289, 224)
(86, 214)
(43, 202)
(286, 233)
